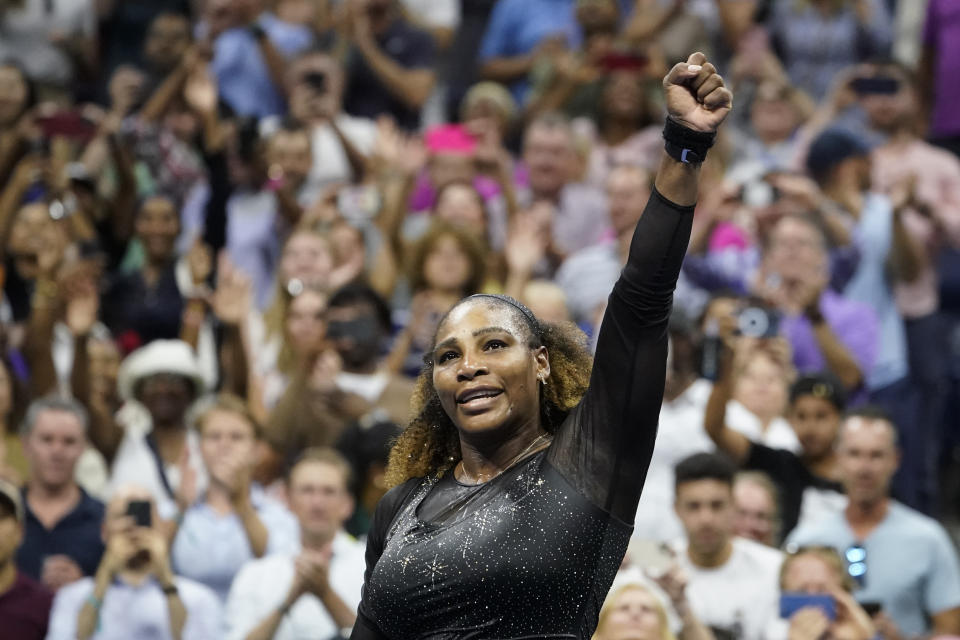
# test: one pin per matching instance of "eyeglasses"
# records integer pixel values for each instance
(856, 556)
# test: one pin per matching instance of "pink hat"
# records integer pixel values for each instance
(450, 138)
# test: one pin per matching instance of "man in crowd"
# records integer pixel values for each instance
(732, 584)
(338, 141)
(250, 50)
(24, 603)
(826, 330)
(756, 502)
(389, 63)
(579, 211)
(903, 559)
(134, 593)
(319, 589)
(807, 481)
(840, 163)
(62, 523)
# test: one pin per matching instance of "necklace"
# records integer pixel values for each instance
(459, 470)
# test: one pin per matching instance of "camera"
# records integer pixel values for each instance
(758, 322)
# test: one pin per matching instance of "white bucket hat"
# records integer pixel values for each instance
(159, 356)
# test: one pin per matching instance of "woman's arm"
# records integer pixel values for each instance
(605, 448)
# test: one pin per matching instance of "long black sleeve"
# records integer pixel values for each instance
(604, 446)
(215, 214)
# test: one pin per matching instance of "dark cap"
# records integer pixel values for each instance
(820, 385)
(11, 494)
(832, 147)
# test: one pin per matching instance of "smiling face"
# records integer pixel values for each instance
(485, 371)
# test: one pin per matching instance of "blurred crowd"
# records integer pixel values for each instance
(229, 229)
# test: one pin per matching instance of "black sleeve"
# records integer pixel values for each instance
(215, 213)
(387, 510)
(604, 446)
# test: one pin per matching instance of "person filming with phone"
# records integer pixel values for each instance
(815, 600)
(134, 593)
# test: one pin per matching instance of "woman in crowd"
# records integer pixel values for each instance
(446, 265)
(520, 468)
(633, 612)
(233, 521)
(821, 571)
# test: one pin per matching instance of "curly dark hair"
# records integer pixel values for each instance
(430, 445)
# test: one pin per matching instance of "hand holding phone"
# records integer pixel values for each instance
(791, 603)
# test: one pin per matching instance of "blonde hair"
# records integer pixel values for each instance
(828, 556)
(611, 602)
(228, 403)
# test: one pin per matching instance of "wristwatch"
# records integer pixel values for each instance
(169, 589)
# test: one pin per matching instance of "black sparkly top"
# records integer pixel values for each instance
(533, 552)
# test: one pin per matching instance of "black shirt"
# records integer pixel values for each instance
(366, 96)
(78, 535)
(792, 477)
(148, 312)
(533, 552)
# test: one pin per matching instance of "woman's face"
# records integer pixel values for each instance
(460, 204)
(227, 443)
(633, 617)
(306, 324)
(447, 267)
(809, 573)
(485, 372)
(623, 95)
(307, 258)
(158, 226)
(13, 96)
(6, 393)
(762, 386)
(816, 421)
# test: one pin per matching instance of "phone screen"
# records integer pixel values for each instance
(790, 603)
(139, 510)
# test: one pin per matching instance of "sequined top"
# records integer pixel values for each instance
(533, 552)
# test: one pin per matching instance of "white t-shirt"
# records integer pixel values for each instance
(330, 161)
(778, 435)
(262, 585)
(742, 596)
(435, 13)
(679, 435)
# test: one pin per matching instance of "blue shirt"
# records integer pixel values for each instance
(211, 547)
(912, 567)
(77, 535)
(873, 236)
(516, 27)
(241, 72)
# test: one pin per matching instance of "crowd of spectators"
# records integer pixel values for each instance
(230, 228)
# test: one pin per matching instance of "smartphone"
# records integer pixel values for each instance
(359, 203)
(790, 603)
(68, 124)
(871, 608)
(654, 558)
(876, 85)
(139, 510)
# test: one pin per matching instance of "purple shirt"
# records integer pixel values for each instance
(854, 324)
(942, 33)
(25, 609)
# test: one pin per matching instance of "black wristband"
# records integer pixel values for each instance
(684, 144)
(169, 589)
